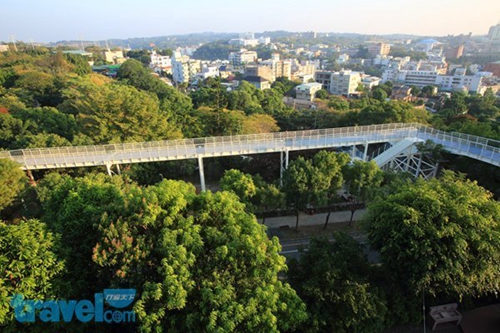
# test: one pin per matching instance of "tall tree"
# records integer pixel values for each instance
(297, 186)
(28, 267)
(329, 165)
(440, 236)
(12, 182)
(240, 184)
(332, 277)
(114, 113)
(362, 180)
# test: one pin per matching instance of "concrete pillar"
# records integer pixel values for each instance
(202, 174)
(353, 152)
(118, 169)
(108, 168)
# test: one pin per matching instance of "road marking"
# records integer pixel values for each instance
(290, 251)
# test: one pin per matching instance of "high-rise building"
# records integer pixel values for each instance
(494, 33)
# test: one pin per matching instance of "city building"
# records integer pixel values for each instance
(114, 57)
(183, 68)
(343, 83)
(209, 71)
(160, 63)
(494, 33)
(307, 91)
(457, 81)
(493, 67)
(265, 72)
(379, 49)
(4, 48)
(401, 93)
(259, 82)
(369, 81)
(455, 52)
(242, 57)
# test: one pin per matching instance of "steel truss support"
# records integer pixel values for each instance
(415, 163)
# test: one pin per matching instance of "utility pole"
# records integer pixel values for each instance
(81, 42)
(13, 42)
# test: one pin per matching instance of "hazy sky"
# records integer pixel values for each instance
(53, 20)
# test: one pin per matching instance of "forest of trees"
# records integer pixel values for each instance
(203, 262)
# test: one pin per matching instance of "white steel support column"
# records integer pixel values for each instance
(108, 168)
(283, 164)
(202, 173)
(365, 154)
(353, 152)
(118, 169)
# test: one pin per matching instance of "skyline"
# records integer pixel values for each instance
(56, 20)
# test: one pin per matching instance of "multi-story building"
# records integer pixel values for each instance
(325, 78)
(259, 70)
(259, 82)
(209, 71)
(369, 81)
(242, 57)
(379, 49)
(494, 33)
(115, 57)
(307, 91)
(420, 79)
(343, 83)
(493, 67)
(184, 68)
(280, 68)
(455, 52)
(160, 62)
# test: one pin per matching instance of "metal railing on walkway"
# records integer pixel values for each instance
(483, 149)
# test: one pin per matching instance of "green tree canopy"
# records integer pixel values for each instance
(12, 182)
(28, 266)
(362, 180)
(114, 113)
(440, 236)
(332, 278)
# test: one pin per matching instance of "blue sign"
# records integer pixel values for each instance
(29, 311)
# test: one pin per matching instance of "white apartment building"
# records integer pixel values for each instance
(420, 79)
(307, 91)
(369, 81)
(160, 62)
(184, 68)
(242, 57)
(343, 83)
(209, 71)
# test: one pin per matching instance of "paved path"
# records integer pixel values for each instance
(316, 219)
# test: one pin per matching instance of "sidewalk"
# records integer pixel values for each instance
(310, 220)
